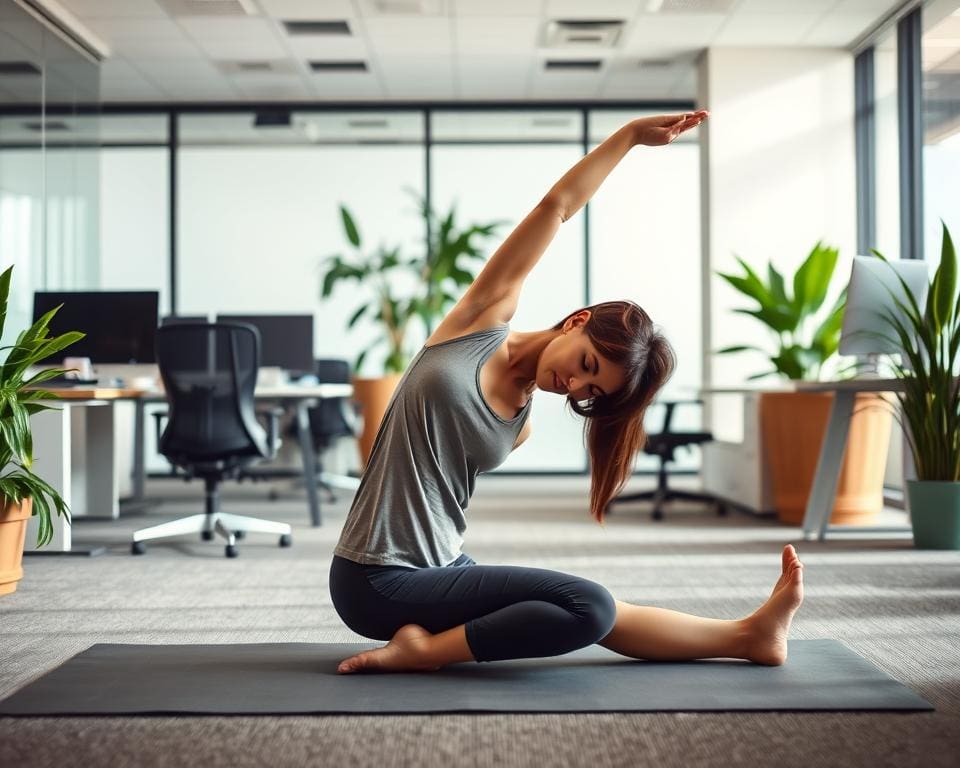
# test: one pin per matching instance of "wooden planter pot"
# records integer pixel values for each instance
(793, 425)
(13, 533)
(373, 397)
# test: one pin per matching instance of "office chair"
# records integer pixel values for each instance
(209, 372)
(663, 444)
(332, 419)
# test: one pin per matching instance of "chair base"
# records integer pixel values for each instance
(661, 496)
(230, 527)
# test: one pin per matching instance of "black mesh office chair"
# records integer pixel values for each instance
(663, 444)
(209, 372)
(332, 419)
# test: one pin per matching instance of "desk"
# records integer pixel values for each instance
(820, 503)
(300, 397)
(74, 452)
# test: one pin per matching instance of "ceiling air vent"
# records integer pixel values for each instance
(272, 118)
(573, 65)
(50, 125)
(656, 63)
(18, 68)
(582, 33)
(338, 66)
(317, 28)
(368, 122)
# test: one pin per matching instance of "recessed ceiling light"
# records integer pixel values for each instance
(338, 66)
(573, 64)
(317, 27)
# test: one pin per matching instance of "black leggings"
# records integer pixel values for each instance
(510, 612)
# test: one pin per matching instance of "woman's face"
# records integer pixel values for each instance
(571, 366)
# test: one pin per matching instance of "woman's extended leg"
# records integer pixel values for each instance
(663, 635)
(639, 632)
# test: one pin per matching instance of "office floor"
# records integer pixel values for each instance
(898, 607)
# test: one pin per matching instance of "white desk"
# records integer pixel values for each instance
(74, 452)
(823, 492)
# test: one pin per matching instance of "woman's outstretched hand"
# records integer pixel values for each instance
(662, 129)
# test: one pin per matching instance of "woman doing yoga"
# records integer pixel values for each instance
(398, 572)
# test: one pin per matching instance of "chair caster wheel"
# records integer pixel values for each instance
(231, 550)
(239, 535)
(206, 535)
(721, 509)
(286, 540)
(272, 495)
(657, 514)
(137, 548)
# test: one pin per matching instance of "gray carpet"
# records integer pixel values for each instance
(897, 607)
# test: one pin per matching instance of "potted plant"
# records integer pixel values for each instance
(930, 401)
(22, 493)
(793, 423)
(439, 273)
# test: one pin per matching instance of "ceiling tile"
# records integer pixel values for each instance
(319, 47)
(838, 29)
(766, 29)
(130, 90)
(159, 48)
(690, 31)
(183, 67)
(112, 9)
(304, 10)
(777, 6)
(497, 7)
(113, 29)
(496, 36)
(346, 87)
(402, 35)
(252, 50)
(595, 9)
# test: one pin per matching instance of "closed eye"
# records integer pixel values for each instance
(594, 392)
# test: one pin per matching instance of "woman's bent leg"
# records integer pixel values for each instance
(485, 613)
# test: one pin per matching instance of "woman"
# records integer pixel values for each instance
(398, 573)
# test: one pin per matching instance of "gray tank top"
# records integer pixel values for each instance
(437, 435)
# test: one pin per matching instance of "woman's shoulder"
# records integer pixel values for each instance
(455, 327)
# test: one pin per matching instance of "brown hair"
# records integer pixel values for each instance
(623, 334)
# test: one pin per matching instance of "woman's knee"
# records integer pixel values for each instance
(598, 610)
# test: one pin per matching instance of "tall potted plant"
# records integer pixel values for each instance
(439, 272)
(22, 493)
(793, 424)
(930, 401)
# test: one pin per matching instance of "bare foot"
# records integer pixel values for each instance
(770, 623)
(406, 651)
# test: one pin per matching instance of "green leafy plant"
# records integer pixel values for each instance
(929, 340)
(19, 400)
(438, 272)
(802, 347)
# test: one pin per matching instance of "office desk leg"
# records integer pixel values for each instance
(51, 438)
(103, 483)
(309, 461)
(823, 494)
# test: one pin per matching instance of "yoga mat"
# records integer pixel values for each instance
(301, 678)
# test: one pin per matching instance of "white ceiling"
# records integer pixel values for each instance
(445, 50)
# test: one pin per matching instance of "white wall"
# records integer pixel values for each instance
(135, 221)
(779, 174)
(256, 222)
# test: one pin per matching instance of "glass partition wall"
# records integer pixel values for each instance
(49, 186)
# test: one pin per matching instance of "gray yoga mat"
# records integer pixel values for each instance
(301, 678)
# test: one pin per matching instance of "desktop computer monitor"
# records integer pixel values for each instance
(286, 341)
(865, 330)
(119, 325)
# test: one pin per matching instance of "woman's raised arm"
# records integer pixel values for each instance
(495, 292)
